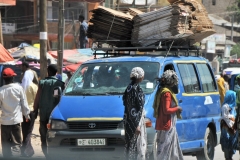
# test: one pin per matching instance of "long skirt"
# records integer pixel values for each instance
(137, 147)
(226, 141)
(168, 147)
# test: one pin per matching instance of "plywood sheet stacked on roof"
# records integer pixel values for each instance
(108, 24)
(181, 20)
(166, 23)
(200, 24)
(134, 11)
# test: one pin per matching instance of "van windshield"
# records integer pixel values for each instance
(110, 78)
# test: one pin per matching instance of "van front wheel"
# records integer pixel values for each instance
(207, 153)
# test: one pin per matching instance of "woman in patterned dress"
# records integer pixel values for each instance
(166, 112)
(135, 129)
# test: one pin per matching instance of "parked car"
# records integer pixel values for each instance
(87, 122)
(232, 74)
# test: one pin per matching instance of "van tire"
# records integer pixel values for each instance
(207, 153)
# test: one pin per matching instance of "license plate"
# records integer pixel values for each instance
(91, 142)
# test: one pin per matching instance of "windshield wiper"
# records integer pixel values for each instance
(114, 93)
(80, 93)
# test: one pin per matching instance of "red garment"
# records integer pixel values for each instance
(163, 122)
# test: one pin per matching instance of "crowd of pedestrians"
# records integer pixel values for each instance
(20, 103)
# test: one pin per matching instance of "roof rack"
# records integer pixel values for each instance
(154, 51)
(164, 47)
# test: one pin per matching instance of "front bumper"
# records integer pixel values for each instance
(64, 144)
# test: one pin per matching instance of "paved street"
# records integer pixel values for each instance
(39, 155)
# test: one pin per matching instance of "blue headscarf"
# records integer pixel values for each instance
(230, 99)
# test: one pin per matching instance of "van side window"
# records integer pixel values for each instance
(189, 78)
(208, 82)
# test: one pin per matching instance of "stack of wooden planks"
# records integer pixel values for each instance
(134, 11)
(200, 24)
(186, 21)
(111, 26)
(166, 23)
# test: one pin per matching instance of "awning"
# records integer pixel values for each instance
(7, 2)
(74, 56)
(31, 53)
(5, 56)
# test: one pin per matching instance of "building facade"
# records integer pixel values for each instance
(218, 7)
(21, 22)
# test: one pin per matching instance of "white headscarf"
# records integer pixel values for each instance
(137, 72)
(226, 115)
(169, 77)
(27, 79)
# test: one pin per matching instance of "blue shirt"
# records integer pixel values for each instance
(83, 30)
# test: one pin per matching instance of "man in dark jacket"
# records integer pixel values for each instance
(45, 102)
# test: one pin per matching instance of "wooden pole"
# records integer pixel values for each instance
(60, 36)
(1, 34)
(35, 11)
(43, 38)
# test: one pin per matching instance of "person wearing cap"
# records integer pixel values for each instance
(13, 103)
(166, 112)
(45, 102)
(134, 124)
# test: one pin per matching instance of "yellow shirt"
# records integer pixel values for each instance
(31, 94)
(221, 89)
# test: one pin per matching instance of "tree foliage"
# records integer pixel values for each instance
(234, 10)
(236, 50)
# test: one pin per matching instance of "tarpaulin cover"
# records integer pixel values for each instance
(11, 50)
(75, 56)
(22, 45)
(5, 56)
(72, 67)
(31, 53)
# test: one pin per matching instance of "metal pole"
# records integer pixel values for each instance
(60, 36)
(43, 38)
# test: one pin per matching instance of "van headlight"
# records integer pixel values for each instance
(58, 124)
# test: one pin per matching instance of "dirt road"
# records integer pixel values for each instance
(35, 143)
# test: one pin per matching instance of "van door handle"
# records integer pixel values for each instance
(180, 101)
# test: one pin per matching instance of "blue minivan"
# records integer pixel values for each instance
(87, 122)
